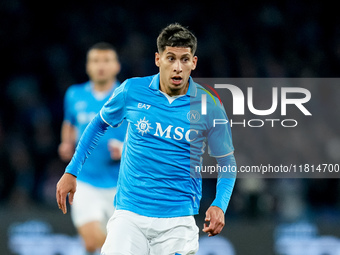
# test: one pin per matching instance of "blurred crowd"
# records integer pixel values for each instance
(44, 47)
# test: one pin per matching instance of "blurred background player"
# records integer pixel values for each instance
(96, 187)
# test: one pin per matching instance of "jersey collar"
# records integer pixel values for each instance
(192, 90)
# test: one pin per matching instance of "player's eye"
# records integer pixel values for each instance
(185, 59)
(171, 58)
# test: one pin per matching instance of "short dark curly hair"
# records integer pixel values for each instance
(175, 35)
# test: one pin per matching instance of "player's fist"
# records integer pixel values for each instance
(66, 150)
(215, 216)
(115, 148)
(66, 185)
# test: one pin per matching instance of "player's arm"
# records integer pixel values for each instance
(220, 146)
(224, 189)
(68, 130)
(112, 114)
(68, 141)
(88, 141)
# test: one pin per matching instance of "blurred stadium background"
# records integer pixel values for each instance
(43, 47)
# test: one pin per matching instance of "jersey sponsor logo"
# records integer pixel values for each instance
(143, 126)
(80, 106)
(170, 132)
(145, 106)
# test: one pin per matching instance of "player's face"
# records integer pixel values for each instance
(102, 65)
(175, 66)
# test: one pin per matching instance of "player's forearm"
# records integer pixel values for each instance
(88, 141)
(68, 133)
(225, 182)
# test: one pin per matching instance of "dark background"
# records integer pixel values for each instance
(43, 47)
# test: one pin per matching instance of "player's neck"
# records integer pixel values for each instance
(103, 86)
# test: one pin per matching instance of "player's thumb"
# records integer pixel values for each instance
(70, 197)
(207, 216)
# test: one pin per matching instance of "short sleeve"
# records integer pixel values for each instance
(113, 111)
(68, 108)
(219, 134)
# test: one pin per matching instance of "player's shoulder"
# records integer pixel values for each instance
(212, 103)
(78, 89)
(137, 83)
(146, 80)
(211, 95)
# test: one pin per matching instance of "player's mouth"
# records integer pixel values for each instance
(176, 80)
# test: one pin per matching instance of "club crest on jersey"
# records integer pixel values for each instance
(193, 116)
(143, 126)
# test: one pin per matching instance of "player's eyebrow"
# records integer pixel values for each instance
(170, 53)
(184, 55)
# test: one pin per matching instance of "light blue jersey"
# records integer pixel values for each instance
(81, 105)
(163, 145)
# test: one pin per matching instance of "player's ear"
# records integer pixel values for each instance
(194, 62)
(117, 68)
(157, 58)
(117, 65)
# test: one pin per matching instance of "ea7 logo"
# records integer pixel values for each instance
(146, 106)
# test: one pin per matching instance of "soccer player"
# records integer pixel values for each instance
(158, 189)
(96, 186)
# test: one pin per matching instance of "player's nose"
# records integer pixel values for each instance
(177, 67)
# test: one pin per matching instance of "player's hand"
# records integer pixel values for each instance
(215, 216)
(66, 150)
(66, 185)
(115, 148)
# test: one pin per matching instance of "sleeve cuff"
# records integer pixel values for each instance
(69, 170)
(219, 205)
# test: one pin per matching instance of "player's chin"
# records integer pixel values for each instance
(101, 79)
(176, 88)
(176, 84)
